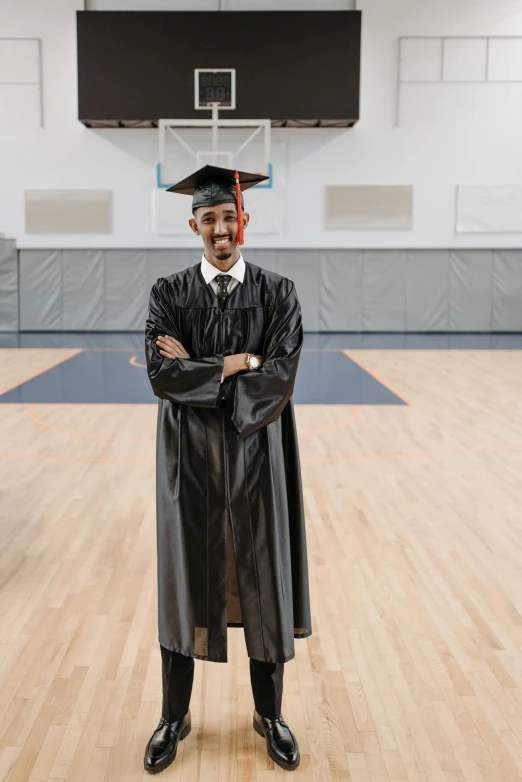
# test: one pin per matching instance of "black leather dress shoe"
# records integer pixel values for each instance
(280, 741)
(163, 744)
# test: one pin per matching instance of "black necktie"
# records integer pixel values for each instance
(222, 294)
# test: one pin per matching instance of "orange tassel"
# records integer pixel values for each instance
(240, 222)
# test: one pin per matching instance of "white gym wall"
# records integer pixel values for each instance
(449, 135)
(440, 144)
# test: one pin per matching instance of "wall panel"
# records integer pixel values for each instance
(384, 290)
(41, 305)
(83, 290)
(471, 290)
(8, 285)
(427, 290)
(339, 290)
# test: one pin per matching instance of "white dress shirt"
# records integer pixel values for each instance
(236, 272)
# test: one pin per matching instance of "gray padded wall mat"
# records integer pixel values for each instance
(83, 290)
(471, 292)
(340, 290)
(305, 271)
(8, 285)
(341, 299)
(428, 290)
(384, 290)
(41, 290)
(125, 281)
(507, 291)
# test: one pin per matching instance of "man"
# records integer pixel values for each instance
(222, 342)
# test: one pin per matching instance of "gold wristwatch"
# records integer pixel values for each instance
(253, 362)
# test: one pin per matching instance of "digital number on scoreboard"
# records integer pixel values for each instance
(215, 87)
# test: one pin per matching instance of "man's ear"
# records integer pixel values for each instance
(246, 219)
(193, 224)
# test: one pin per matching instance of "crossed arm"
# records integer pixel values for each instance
(254, 399)
(172, 348)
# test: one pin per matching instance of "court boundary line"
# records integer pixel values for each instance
(505, 448)
(377, 378)
(31, 412)
(40, 370)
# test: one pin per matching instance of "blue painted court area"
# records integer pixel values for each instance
(117, 375)
(103, 372)
(329, 377)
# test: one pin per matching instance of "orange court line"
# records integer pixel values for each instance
(80, 433)
(376, 376)
(41, 370)
(33, 416)
(135, 363)
(409, 454)
(503, 448)
(110, 350)
(94, 459)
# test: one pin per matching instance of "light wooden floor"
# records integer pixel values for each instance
(414, 671)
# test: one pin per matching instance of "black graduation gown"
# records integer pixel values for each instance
(231, 541)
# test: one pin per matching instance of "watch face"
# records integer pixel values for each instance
(254, 362)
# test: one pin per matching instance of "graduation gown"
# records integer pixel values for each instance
(231, 540)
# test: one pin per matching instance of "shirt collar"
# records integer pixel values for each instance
(209, 271)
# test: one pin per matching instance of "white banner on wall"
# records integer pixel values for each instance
(489, 208)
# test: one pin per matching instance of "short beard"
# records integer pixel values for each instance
(223, 256)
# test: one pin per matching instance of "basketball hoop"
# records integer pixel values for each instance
(215, 141)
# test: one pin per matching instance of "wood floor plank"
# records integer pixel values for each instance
(414, 670)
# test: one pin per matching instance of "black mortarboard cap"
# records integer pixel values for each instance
(213, 185)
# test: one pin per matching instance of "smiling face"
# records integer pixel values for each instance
(217, 226)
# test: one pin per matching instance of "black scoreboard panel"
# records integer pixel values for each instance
(293, 67)
(214, 87)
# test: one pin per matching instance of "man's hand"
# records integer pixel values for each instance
(171, 348)
(236, 363)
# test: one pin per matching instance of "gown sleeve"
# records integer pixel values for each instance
(189, 381)
(260, 397)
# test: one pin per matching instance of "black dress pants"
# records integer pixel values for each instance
(178, 677)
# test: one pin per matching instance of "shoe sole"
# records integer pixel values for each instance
(278, 761)
(166, 763)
